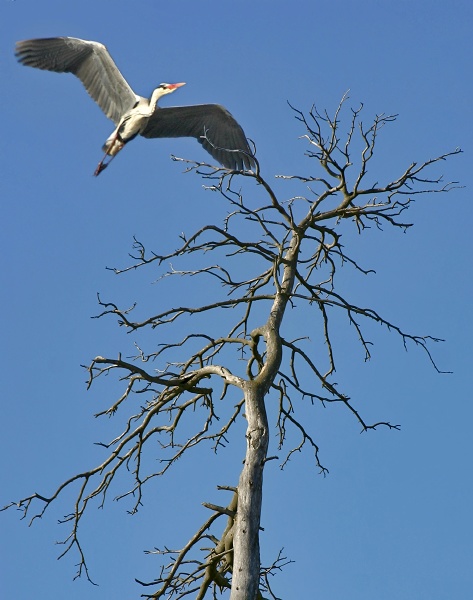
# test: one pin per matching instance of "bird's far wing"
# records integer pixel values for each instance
(212, 125)
(90, 62)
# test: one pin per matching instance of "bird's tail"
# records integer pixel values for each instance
(113, 144)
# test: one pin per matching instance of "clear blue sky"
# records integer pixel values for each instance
(393, 518)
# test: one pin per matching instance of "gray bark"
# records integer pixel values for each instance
(246, 562)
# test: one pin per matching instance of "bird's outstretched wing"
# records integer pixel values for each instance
(211, 124)
(90, 62)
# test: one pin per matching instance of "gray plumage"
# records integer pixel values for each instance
(211, 124)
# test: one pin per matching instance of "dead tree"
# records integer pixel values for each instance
(294, 246)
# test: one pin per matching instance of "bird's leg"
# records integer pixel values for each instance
(102, 165)
(112, 147)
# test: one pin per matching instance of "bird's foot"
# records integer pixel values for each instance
(100, 167)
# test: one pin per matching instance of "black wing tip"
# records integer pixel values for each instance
(241, 162)
(30, 43)
(35, 44)
(23, 52)
(58, 54)
(235, 159)
(21, 47)
(26, 50)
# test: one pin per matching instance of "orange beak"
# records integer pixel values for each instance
(173, 86)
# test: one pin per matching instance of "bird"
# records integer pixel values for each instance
(211, 124)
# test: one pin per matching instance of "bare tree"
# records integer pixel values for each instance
(295, 250)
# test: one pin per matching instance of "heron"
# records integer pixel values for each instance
(211, 124)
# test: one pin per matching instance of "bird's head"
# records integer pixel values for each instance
(168, 88)
(162, 90)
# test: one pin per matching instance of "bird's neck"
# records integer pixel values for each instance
(155, 96)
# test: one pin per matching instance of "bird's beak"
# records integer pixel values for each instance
(173, 86)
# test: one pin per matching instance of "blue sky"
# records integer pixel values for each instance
(393, 518)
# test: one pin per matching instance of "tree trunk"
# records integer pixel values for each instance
(246, 562)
